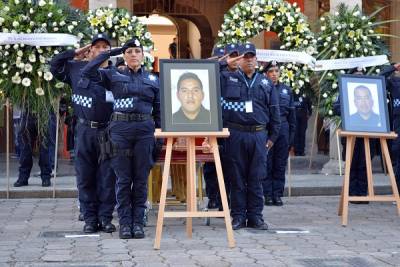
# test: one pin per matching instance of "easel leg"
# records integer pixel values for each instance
(369, 167)
(221, 184)
(344, 210)
(160, 219)
(389, 166)
(191, 183)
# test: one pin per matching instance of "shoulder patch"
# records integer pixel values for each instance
(300, 99)
(265, 81)
(285, 91)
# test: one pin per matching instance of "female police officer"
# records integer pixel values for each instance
(136, 103)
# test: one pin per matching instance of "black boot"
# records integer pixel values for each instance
(90, 228)
(125, 232)
(107, 227)
(20, 183)
(268, 201)
(137, 231)
(277, 201)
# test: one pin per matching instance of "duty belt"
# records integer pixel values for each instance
(246, 128)
(117, 116)
(92, 124)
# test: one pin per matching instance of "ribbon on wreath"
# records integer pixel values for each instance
(38, 39)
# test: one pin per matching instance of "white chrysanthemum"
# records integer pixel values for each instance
(4, 65)
(1, 20)
(334, 85)
(42, 59)
(48, 76)
(330, 112)
(50, 14)
(62, 23)
(42, 3)
(40, 73)
(5, 72)
(147, 35)
(28, 67)
(74, 23)
(70, 28)
(16, 79)
(39, 91)
(15, 24)
(26, 82)
(325, 95)
(6, 8)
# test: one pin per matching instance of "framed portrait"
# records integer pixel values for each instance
(364, 103)
(190, 96)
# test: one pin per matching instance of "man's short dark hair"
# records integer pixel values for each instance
(362, 87)
(187, 76)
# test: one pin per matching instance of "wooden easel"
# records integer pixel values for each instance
(350, 141)
(191, 206)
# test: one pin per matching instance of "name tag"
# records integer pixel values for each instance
(249, 106)
(109, 97)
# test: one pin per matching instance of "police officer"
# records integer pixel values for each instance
(303, 111)
(249, 106)
(27, 135)
(392, 74)
(358, 169)
(137, 102)
(93, 108)
(274, 182)
(210, 173)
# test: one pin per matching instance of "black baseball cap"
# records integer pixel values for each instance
(231, 48)
(134, 42)
(247, 48)
(270, 65)
(101, 36)
(218, 51)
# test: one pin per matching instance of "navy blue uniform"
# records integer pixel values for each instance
(27, 135)
(95, 180)
(137, 102)
(393, 87)
(249, 107)
(303, 112)
(358, 169)
(274, 182)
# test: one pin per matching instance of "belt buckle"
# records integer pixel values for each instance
(93, 124)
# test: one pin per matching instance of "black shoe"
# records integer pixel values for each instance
(90, 228)
(277, 201)
(46, 183)
(260, 225)
(238, 224)
(107, 227)
(20, 183)
(268, 201)
(125, 232)
(137, 231)
(212, 204)
(80, 217)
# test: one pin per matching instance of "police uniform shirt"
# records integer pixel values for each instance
(287, 108)
(372, 121)
(202, 117)
(254, 103)
(134, 92)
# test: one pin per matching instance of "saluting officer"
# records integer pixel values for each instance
(303, 109)
(93, 107)
(392, 74)
(274, 182)
(137, 102)
(250, 106)
(210, 173)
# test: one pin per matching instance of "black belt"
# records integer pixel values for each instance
(130, 117)
(92, 124)
(246, 128)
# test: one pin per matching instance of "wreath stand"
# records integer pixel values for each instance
(191, 206)
(350, 141)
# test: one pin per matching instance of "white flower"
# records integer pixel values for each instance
(15, 24)
(328, 38)
(31, 11)
(334, 85)
(323, 28)
(56, 52)
(48, 76)
(55, 29)
(356, 13)
(39, 91)
(20, 53)
(42, 3)
(330, 112)
(378, 70)
(40, 73)
(44, 25)
(301, 82)
(50, 14)
(4, 65)
(5, 72)
(70, 28)
(336, 33)
(220, 34)
(28, 67)
(310, 50)
(324, 95)
(16, 79)
(21, 65)
(32, 58)
(62, 23)
(74, 23)
(26, 82)
(147, 35)
(6, 9)
(16, 2)
(334, 49)
(42, 59)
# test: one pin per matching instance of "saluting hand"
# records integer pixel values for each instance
(80, 53)
(232, 60)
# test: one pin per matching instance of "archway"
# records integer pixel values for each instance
(178, 12)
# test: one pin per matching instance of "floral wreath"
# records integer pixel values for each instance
(250, 17)
(121, 26)
(345, 34)
(24, 71)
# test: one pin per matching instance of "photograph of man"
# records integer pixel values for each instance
(364, 103)
(190, 94)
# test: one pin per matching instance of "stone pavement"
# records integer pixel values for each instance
(32, 233)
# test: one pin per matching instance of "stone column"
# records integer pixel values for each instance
(93, 4)
(332, 166)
